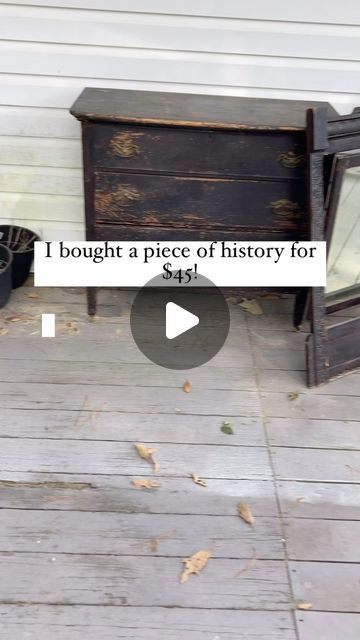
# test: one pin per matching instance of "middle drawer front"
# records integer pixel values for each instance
(184, 202)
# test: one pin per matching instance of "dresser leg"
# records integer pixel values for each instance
(299, 308)
(91, 300)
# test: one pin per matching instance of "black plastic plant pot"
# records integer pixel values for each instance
(6, 260)
(20, 241)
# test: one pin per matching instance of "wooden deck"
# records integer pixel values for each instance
(84, 555)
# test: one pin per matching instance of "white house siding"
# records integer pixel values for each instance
(50, 50)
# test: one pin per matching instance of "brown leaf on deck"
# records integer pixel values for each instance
(195, 563)
(304, 606)
(3, 331)
(251, 306)
(198, 480)
(245, 513)
(293, 396)
(187, 387)
(145, 483)
(147, 453)
(32, 295)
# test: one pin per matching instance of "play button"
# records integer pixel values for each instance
(178, 320)
(179, 327)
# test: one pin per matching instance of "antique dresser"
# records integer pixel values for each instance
(189, 167)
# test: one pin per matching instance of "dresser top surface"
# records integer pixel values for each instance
(183, 109)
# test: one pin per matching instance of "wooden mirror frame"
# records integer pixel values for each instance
(330, 351)
(344, 160)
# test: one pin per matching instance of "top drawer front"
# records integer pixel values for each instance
(191, 151)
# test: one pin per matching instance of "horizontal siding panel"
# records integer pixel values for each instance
(40, 152)
(45, 180)
(246, 37)
(51, 229)
(346, 12)
(181, 67)
(40, 207)
(36, 122)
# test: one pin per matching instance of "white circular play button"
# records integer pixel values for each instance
(178, 320)
(179, 327)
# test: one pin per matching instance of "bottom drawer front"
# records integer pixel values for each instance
(184, 202)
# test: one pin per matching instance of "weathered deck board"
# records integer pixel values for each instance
(315, 434)
(76, 348)
(116, 493)
(113, 623)
(76, 533)
(320, 500)
(133, 533)
(329, 586)
(323, 465)
(323, 540)
(122, 374)
(314, 625)
(311, 406)
(141, 581)
(222, 402)
(73, 456)
(293, 381)
(93, 424)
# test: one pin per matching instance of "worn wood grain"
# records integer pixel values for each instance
(90, 423)
(322, 465)
(121, 374)
(311, 406)
(129, 399)
(294, 381)
(130, 580)
(128, 623)
(319, 500)
(315, 624)
(115, 493)
(74, 456)
(314, 434)
(74, 347)
(329, 586)
(134, 533)
(323, 540)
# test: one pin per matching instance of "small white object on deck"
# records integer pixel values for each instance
(48, 325)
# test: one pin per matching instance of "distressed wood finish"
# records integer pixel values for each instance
(167, 166)
(180, 150)
(184, 202)
(75, 622)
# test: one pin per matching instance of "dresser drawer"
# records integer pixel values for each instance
(191, 151)
(186, 202)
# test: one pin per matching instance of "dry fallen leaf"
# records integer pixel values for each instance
(198, 480)
(245, 513)
(154, 544)
(147, 453)
(3, 331)
(293, 396)
(227, 428)
(301, 499)
(232, 299)
(145, 483)
(304, 606)
(32, 295)
(251, 306)
(195, 563)
(187, 386)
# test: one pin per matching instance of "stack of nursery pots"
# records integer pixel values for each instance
(16, 256)
(6, 259)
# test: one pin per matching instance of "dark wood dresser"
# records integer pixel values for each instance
(167, 166)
